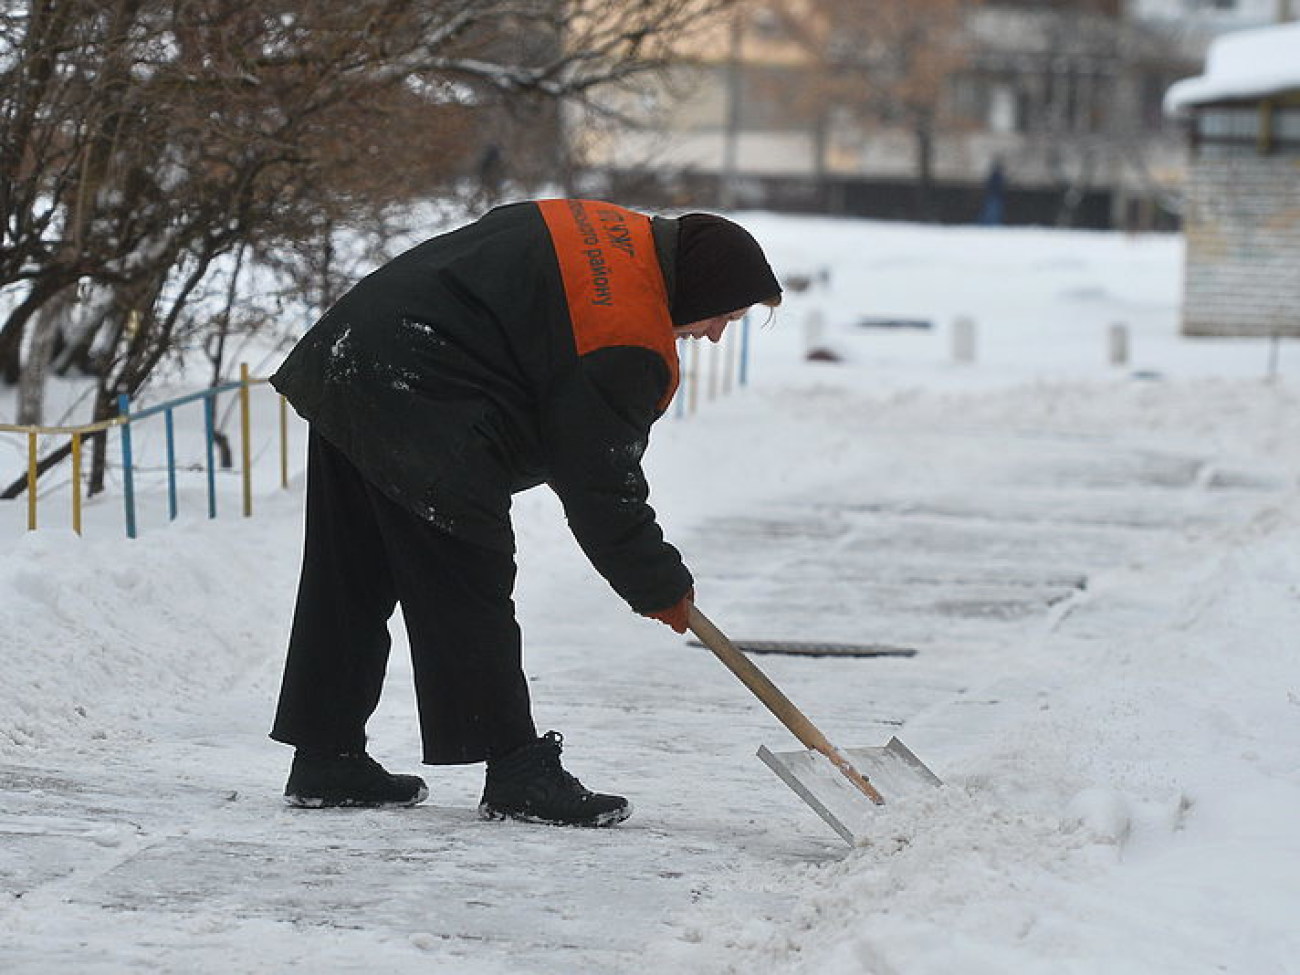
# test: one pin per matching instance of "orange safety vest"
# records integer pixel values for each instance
(613, 283)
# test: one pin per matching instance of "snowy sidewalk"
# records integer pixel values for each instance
(153, 838)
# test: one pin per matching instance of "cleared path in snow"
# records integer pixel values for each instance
(171, 851)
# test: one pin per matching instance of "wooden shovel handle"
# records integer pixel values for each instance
(776, 701)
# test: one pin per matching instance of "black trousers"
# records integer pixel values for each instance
(363, 555)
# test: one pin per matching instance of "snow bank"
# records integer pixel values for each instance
(1131, 810)
(101, 634)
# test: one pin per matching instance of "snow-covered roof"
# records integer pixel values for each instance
(1243, 64)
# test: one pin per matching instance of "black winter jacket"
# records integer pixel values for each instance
(532, 345)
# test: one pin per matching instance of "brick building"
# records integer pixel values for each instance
(1242, 211)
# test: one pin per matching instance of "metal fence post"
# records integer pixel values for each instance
(245, 450)
(209, 429)
(171, 463)
(31, 481)
(76, 482)
(744, 349)
(693, 376)
(128, 474)
(683, 377)
(730, 344)
(284, 442)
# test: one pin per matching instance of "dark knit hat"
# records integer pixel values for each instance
(720, 268)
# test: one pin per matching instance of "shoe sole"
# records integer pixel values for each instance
(611, 818)
(329, 802)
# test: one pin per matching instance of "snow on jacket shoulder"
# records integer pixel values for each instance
(532, 345)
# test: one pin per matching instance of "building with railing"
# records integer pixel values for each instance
(1242, 215)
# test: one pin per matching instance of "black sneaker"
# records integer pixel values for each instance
(529, 784)
(354, 779)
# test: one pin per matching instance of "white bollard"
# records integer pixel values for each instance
(963, 339)
(1117, 344)
(814, 325)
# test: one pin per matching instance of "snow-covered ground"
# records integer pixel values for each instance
(1098, 566)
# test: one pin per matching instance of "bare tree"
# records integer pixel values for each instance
(887, 64)
(143, 141)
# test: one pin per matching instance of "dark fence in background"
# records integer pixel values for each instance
(947, 202)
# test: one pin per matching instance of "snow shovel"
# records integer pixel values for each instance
(835, 783)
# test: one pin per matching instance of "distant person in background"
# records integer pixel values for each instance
(537, 344)
(995, 191)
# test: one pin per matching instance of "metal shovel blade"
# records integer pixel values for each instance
(892, 769)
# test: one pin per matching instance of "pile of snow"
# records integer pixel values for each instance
(101, 634)
(1131, 809)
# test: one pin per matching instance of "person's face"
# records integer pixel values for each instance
(710, 328)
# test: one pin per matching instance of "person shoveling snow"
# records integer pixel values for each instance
(537, 344)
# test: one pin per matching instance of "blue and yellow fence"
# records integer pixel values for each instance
(126, 420)
(708, 371)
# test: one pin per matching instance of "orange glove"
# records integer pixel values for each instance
(676, 614)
